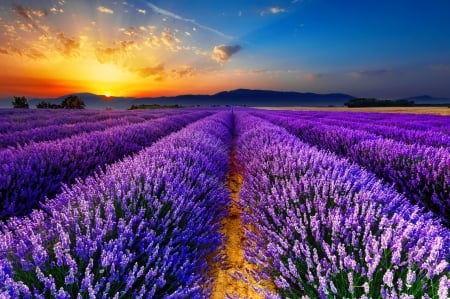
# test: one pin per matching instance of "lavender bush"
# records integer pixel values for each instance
(18, 121)
(141, 229)
(321, 227)
(422, 173)
(30, 173)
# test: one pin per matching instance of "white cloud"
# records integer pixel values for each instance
(222, 53)
(142, 11)
(56, 10)
(178, 17)
(105, 10)
(273, 10)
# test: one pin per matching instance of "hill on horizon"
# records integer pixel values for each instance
(237, 97)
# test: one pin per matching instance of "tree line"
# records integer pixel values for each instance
(371, 102)
(70, 102)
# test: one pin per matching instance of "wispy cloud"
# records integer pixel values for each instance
(157, 72)
(31, 18)
(172, 15)
(56, 10)
(142, 11)
(377, 73)
(113, 54)
(272, 10)
(184, 71)
(166, 38)
(223, 53)
(68, 47)
(106, 10)
(28, 13)
(35, 54)
(313, 76)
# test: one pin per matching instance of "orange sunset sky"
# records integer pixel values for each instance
(390, 49)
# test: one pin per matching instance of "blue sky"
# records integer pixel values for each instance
(367, 48)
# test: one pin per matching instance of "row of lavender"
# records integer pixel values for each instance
(24, 120)
(325, 228)
(421, 172)
(142, 229)
(428, 135)
(28, 174)
(53, 132)
(421, 122)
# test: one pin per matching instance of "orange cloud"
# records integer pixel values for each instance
(113, 55)
(28, 13)
(68, 47)
(157, 72)
(185, 71)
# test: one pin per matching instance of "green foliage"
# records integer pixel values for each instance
(73, 102)
(370, 102)
(47, 105)
(20, 102)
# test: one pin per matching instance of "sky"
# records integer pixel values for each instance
(383, 48)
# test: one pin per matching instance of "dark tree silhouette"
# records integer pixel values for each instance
(73, 102)
(20, 102)
(47, 105)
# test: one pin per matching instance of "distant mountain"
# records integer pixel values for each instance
(91, 100)
(242, 97)
(237, 97)
(425, 99)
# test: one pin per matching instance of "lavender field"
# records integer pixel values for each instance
(133, 204)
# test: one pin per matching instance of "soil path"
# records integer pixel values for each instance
(233, 230)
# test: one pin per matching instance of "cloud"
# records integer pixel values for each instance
(312, 76)
(113, 54)
(222, 53)
(105, 10)
(9, 30)
(185, 71)
(34, 54)
(155, 72)
(130, 31)
(30, 53)
(378, 73)
(167, 38)
(32, 18)
(172, 15)
(56, 10)
(68, 47)
(272, 10)
(142, 11)
(28, 13)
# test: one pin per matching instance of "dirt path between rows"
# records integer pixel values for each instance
(233, 231)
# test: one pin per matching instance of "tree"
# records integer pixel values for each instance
(73, 102)
(20, 102)
(47, 105)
